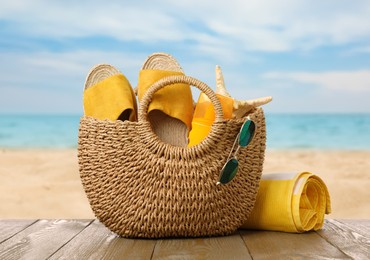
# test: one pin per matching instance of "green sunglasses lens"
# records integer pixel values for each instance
(229, 171)
(245, 136)
(247, 133)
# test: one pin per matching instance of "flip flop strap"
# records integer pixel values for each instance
(173, 81)
(175, 101)
(109, 98)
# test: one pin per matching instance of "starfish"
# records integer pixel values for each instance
(241, 107)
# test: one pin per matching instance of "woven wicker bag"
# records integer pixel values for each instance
(139, 186)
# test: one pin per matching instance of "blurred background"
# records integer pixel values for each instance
(313, 57)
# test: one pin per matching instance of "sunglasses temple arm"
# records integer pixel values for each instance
(237, 150)
(232, 149)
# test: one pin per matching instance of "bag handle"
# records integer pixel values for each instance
(147, 98)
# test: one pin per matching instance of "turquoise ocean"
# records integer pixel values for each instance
(284, 131)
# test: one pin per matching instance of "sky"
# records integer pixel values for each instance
(311, 56)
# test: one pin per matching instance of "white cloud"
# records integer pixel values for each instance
(58, 19)
(47, 82)
(200, 33)
(45, 66)
(288, 25)
(350, 81)
(363, 49)
(243, 25)
(53, 82)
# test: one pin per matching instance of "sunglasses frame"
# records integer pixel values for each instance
(233, 155)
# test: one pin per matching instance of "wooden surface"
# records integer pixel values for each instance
(89, 239)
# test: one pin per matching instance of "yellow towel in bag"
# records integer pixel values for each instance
(290, 203)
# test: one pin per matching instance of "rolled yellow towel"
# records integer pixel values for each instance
(290, 203)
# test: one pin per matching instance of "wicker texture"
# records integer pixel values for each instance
(139, 186)
(162, 61)
(99, 73)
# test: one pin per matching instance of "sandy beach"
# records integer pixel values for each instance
(45, 183)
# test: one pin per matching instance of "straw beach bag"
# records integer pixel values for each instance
(139, 186)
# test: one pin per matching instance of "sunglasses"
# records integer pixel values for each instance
(244, 137)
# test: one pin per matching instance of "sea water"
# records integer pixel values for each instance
(39, 131)
(284, 131)
(321, 131)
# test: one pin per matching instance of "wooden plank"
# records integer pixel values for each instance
(228, 247)
(123, 248)
(11, 227)
(361, 226)
(98, 242)
(81, 239)
(41, 239)
(280, 245)
(348, 239)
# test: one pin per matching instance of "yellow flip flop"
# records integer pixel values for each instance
(109, 95)
(171, 110)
